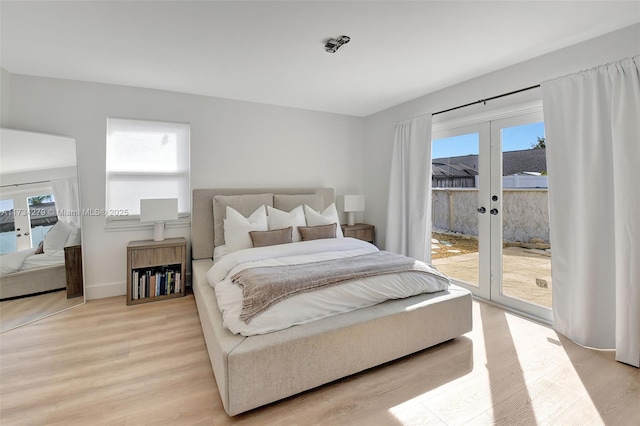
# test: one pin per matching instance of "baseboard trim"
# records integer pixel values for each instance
(101, 291)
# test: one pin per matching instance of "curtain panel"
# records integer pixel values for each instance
(408, 212)
(66, 194)
(593, 157)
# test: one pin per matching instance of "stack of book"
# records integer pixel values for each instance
(153, 282)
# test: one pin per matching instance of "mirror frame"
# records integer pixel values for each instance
(7, 135)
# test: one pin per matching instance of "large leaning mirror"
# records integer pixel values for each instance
(40, 233)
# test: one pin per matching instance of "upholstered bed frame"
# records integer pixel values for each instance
(257, 370)
(33, 281)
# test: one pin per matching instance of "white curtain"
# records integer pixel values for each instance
(65, 192)
(408, 214)
(592, 122)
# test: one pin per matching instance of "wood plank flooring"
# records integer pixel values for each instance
(16, 312)
(104, 363)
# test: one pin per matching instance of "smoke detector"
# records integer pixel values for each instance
(334, 44)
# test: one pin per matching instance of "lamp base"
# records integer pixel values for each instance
(351, 219)
(158, 231)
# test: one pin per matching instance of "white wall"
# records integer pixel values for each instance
(379, 127)
(5, 86)
(233, 144)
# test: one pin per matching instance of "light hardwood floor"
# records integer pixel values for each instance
(16, 312)
(107, 363)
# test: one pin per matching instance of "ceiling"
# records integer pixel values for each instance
(273, 52)
(27, 152)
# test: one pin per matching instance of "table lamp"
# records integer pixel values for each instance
(158, 210)
(353, 203)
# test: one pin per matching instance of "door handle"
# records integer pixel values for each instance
(482, 210)
(493, 211)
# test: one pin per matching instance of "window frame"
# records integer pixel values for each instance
(131, 221)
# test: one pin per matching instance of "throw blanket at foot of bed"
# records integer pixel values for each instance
(262, 287)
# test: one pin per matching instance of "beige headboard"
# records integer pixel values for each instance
(202, 233)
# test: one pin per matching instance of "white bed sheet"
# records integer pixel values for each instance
(24, 260)
(12, 262)
(43, 260)
(315, 305)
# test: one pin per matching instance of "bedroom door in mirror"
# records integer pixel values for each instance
(40, 227)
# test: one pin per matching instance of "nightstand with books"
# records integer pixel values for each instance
(156, 270)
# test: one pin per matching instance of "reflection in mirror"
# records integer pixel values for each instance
(40, 234)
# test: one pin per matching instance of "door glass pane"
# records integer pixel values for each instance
(7, 227)
(526, 252)
(42, 216)
(455, 177)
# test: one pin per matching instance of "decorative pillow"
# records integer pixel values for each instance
(56, 238)
(277, 219)
(244, 204)
(328, 216)
(289, 202)
(237, 227)
(271, 238)
(318, 232)
(40, 248)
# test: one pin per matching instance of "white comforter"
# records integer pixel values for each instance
(24, 260)
(314, 305)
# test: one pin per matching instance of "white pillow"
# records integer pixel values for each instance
(57, 237)
(277, 219)
(327, 217)
(237, 228)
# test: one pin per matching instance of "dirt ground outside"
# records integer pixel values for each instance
(526, 273)
(452, 245)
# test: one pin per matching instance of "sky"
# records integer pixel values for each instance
(513, 139)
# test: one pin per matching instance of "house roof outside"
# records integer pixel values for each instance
(513, 163)
(451, 170)
(44, 214)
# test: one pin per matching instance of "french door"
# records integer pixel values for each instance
(490, 211)
(28, 213)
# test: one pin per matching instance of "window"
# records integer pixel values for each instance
(42, 216)
(146, 159)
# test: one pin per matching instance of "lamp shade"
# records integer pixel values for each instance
(353, 203)
(158, 209)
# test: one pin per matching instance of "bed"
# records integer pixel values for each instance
(38, 270)
(258, 369)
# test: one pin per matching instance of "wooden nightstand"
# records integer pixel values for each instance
(73, 270)
(361, 231)
(156, 270)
